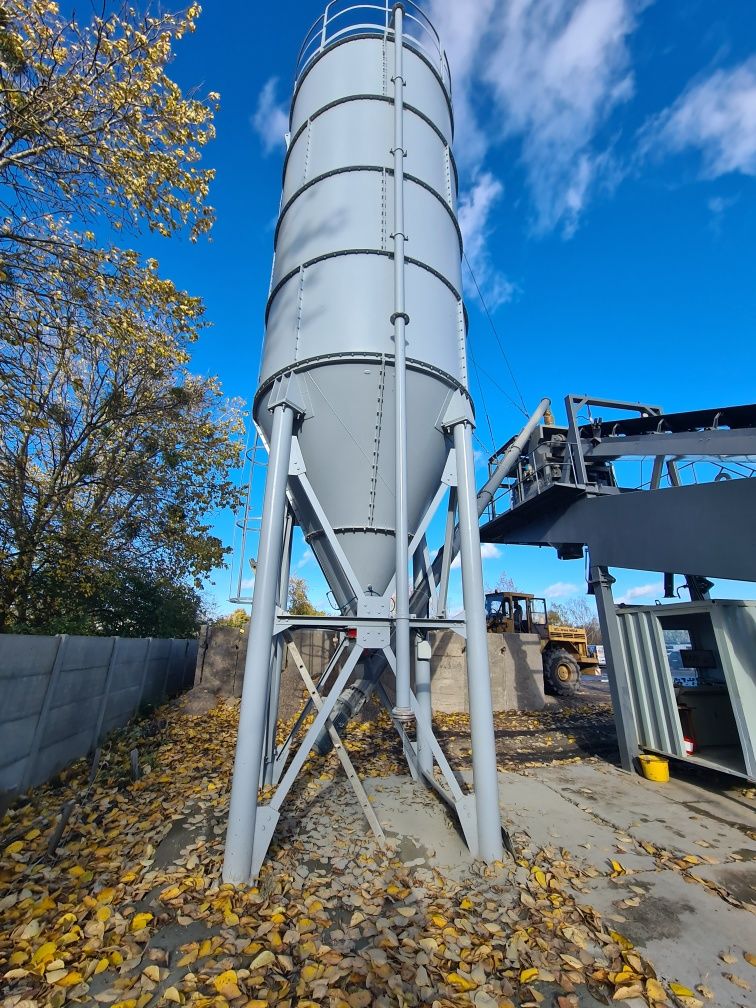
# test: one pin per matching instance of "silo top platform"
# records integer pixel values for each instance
(342, 20)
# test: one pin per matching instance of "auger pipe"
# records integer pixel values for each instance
(503, 469)
(420, 596)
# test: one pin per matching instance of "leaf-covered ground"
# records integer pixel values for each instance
(131, 911)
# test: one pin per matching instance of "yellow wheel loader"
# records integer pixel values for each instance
(564, 649)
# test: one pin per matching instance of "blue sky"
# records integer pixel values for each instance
(607, 151)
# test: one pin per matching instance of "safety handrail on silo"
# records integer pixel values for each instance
(318, 36)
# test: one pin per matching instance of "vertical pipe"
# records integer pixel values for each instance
(237, 863)
(424, 704)
(399, 319)
(422, 655)
(485, 776)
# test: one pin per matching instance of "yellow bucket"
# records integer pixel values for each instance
(654, 768)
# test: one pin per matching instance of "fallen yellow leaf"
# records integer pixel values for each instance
(624, 943)
(461, 983)
(527, 975)
(140, 920)
(171, 994)
(70, 979)
(680, 990)
(655, 991)
(45, 952)
(540, 877)
(260, 962)
(226, 985)
(625, 993)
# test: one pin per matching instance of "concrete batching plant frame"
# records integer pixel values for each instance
(368, 172)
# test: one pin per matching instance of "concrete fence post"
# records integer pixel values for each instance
(145, 669)
(167, 671)
(39, 730)
(105, 693)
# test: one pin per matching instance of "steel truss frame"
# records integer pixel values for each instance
(372, 629)
(697, 530)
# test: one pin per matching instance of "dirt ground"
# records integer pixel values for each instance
(130, 909)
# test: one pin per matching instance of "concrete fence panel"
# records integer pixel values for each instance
(62, 695)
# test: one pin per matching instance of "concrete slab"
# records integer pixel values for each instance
(739, 879)
(420, 822)
(682, 928)
(532, 804)
(678, 816)
(679, 923)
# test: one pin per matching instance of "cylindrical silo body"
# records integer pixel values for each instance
(329, 313)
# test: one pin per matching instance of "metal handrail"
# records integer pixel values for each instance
(320, 35)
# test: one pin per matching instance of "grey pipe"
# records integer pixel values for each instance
(399, 319)
(511, 455)
(485, 496)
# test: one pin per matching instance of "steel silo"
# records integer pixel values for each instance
(328, 317)
(364, 407)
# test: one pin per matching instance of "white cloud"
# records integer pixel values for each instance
(307, 557)
(717, 117)
(488, 551)
(545, 74)
(653, 590)
(718, 204)
(248, 582)
(561, 589)
(270, 121)
(474, 211)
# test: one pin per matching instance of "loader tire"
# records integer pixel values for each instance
(561, 673)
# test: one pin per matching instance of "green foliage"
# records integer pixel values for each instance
(126, 603)
(299, 601)
(112, 453)
(239, 619)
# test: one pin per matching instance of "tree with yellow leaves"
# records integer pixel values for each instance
(112, 452)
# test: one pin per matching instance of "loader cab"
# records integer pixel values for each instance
(516, 612)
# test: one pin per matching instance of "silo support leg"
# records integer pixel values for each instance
(242, 814)
(279, 655)
(485, 774)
